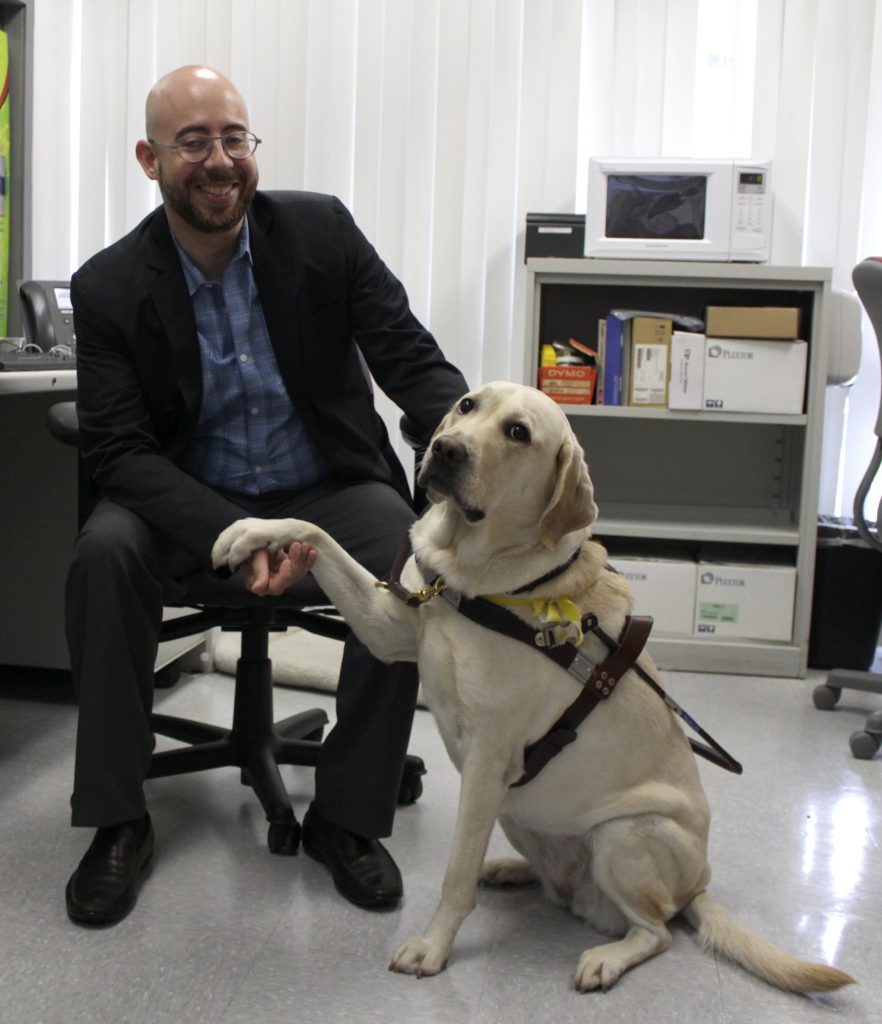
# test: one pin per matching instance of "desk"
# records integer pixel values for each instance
(38, 518)
(38, 524)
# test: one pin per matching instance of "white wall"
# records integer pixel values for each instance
(441, 123)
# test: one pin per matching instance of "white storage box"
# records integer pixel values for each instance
(686, 384)
(745, 600)
(662, 588)
(747, 375)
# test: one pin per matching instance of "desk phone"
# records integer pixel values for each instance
(50, 341)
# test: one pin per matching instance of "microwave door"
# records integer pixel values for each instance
(660, 208)
(676, 213)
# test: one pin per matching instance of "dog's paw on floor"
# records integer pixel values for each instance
(508, 871)
(418, 956)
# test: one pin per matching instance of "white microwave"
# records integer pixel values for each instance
(666, 209)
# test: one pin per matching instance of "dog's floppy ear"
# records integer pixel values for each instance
(572, 503)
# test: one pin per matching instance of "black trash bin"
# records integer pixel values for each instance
(847, 598)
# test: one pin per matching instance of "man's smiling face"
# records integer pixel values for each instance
(211, 196)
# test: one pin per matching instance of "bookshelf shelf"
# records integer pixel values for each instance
(686, 480)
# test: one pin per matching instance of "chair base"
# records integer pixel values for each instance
(254, 743)
(864, 743)
(257, 745)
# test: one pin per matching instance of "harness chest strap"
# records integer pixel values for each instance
(597, 680)
(599, 685)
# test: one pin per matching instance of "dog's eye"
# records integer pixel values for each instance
(518, 432)
(466, 405)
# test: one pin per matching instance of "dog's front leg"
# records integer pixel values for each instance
(482, 791)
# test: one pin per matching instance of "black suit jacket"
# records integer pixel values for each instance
(324, 291)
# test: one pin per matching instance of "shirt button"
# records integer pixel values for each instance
(255, 411)
(243, 358)
(258, 469)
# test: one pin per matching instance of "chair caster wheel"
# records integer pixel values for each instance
(283, 837)
(864, 745)
(825, 697)
(411, 788)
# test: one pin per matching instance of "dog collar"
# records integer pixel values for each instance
(551, 575)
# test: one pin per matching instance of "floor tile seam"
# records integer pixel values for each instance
(475, 1016)
(245, 975)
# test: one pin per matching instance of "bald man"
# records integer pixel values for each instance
(219, 376)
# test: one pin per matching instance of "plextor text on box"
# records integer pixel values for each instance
(663, 588)
(747, 375)
(747, 601)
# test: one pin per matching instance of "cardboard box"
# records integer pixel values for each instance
(746, 375)
(650, 358)
(686, 378)
(752, 602)
(663, 588)
(568, 385)
(752, 322)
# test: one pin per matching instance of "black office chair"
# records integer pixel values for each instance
(254, 742)
(867, 277)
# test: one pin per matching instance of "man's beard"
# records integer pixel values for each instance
(178, 199)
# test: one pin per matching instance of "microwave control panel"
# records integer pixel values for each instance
(752, 213)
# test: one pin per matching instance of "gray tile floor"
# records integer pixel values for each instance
(224, 932)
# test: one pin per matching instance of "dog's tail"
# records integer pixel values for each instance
(717, 931)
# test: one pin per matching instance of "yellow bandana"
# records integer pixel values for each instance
(557, 609)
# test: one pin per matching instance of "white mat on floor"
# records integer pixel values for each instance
(300, 658)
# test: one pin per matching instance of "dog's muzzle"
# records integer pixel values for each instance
(443, 470)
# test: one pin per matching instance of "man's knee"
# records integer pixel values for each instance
(114, 545)
(386, 528)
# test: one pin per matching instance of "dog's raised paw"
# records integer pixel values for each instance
(507, 871)
(236, 543)
(419, 957)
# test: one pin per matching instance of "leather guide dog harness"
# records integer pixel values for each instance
(556, 641)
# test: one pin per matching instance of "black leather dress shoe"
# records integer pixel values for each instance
(104, 887)
(362, 869)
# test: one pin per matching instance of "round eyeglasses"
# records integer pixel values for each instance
(196, 148)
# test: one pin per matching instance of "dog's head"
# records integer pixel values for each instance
(506, 454)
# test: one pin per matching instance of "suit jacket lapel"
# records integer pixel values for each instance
(168, 289)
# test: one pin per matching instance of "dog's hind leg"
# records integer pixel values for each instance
(637, 865)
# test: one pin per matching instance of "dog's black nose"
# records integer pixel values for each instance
(450, 448)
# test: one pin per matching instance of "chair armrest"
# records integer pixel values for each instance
(409, 433)
(63, 423)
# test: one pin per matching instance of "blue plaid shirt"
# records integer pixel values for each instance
(249, 438)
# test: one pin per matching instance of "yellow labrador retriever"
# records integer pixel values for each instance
(613, 828)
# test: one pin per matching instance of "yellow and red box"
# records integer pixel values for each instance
(568, 385)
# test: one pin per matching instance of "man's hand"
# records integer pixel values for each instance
(274, 574)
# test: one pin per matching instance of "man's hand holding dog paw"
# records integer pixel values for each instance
(273, 573)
